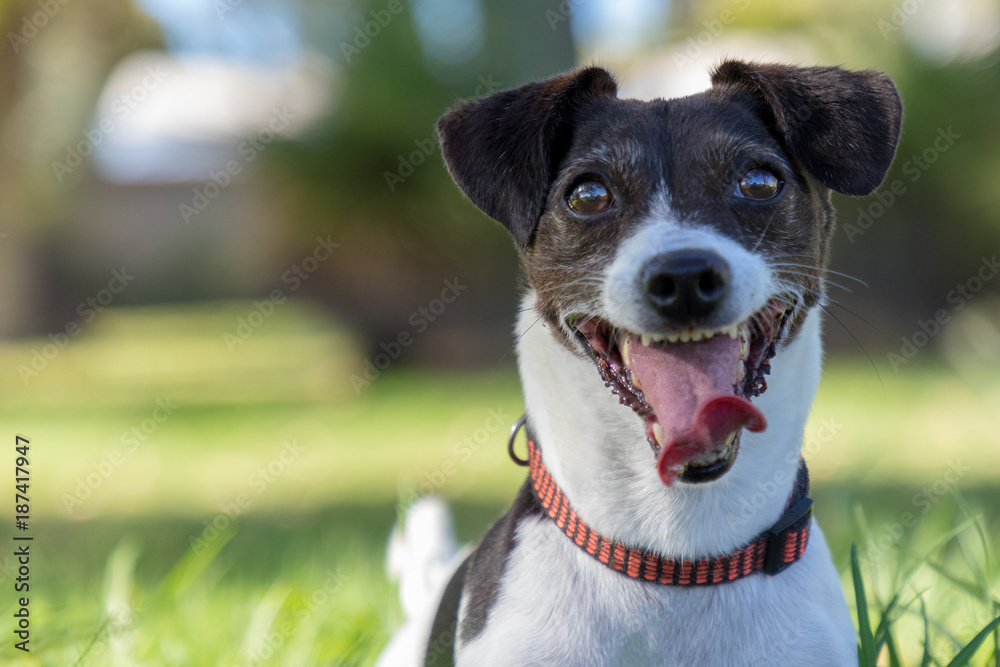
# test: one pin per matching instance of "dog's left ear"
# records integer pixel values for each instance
(842, 125)
(504, 151)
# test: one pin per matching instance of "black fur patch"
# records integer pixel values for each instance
(489, 561)
(504, 151)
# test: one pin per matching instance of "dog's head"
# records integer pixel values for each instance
(679, 243)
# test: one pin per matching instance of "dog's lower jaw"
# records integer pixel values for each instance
(596, 450)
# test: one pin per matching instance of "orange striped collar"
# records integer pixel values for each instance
(771, 552)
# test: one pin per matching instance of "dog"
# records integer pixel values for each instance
(669, 350)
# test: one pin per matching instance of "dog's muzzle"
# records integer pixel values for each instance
(693, 389)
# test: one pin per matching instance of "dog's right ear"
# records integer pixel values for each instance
(503, 151)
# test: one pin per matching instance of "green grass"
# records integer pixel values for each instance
(186, 554)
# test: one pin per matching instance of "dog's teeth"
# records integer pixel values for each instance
(645, 339)
(685, 337)
(744, 341)
(696, 335)
(635, 380)
(657, 338)
(658, 434)
(673, 338)
(733, 333)
(625, 352)
(708, 334)
(739, 370)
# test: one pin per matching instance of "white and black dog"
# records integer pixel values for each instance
(675, 253)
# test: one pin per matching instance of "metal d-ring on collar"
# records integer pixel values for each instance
(513, 436)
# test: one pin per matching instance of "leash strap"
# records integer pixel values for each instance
(771, 552)
(441, 644)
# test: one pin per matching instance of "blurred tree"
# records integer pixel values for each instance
(373, 178)
(371, 175)
(915, 242)
(47, 96)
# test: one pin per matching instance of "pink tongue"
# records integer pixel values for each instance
(690, 388)
(714, 421)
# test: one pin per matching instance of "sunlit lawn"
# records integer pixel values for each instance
(249, 525)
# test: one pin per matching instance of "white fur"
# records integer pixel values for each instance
(422, 556)
(624, 302)
(565, 608)
(559, 606)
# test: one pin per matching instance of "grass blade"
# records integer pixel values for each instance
(980, 531)
(191, 565)
(93, 641)
(942, 541)
(890, 645)
(883, 625)
(866, 647)
(969, 587)
(965, 655)
(925, 660)
(996, 635)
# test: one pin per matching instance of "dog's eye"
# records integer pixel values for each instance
(759, 184)
(589, 197)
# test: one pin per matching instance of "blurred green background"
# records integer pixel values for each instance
(243, 310)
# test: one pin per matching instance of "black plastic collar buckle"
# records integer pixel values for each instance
(774, 560)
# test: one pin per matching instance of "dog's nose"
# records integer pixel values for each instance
(685, 286)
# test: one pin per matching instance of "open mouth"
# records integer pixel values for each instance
(692, 388)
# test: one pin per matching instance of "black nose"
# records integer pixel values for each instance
(685, 286)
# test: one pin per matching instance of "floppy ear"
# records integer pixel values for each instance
(842, 125)
(504, 151)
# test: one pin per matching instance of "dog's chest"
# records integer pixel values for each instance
(558, 606)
